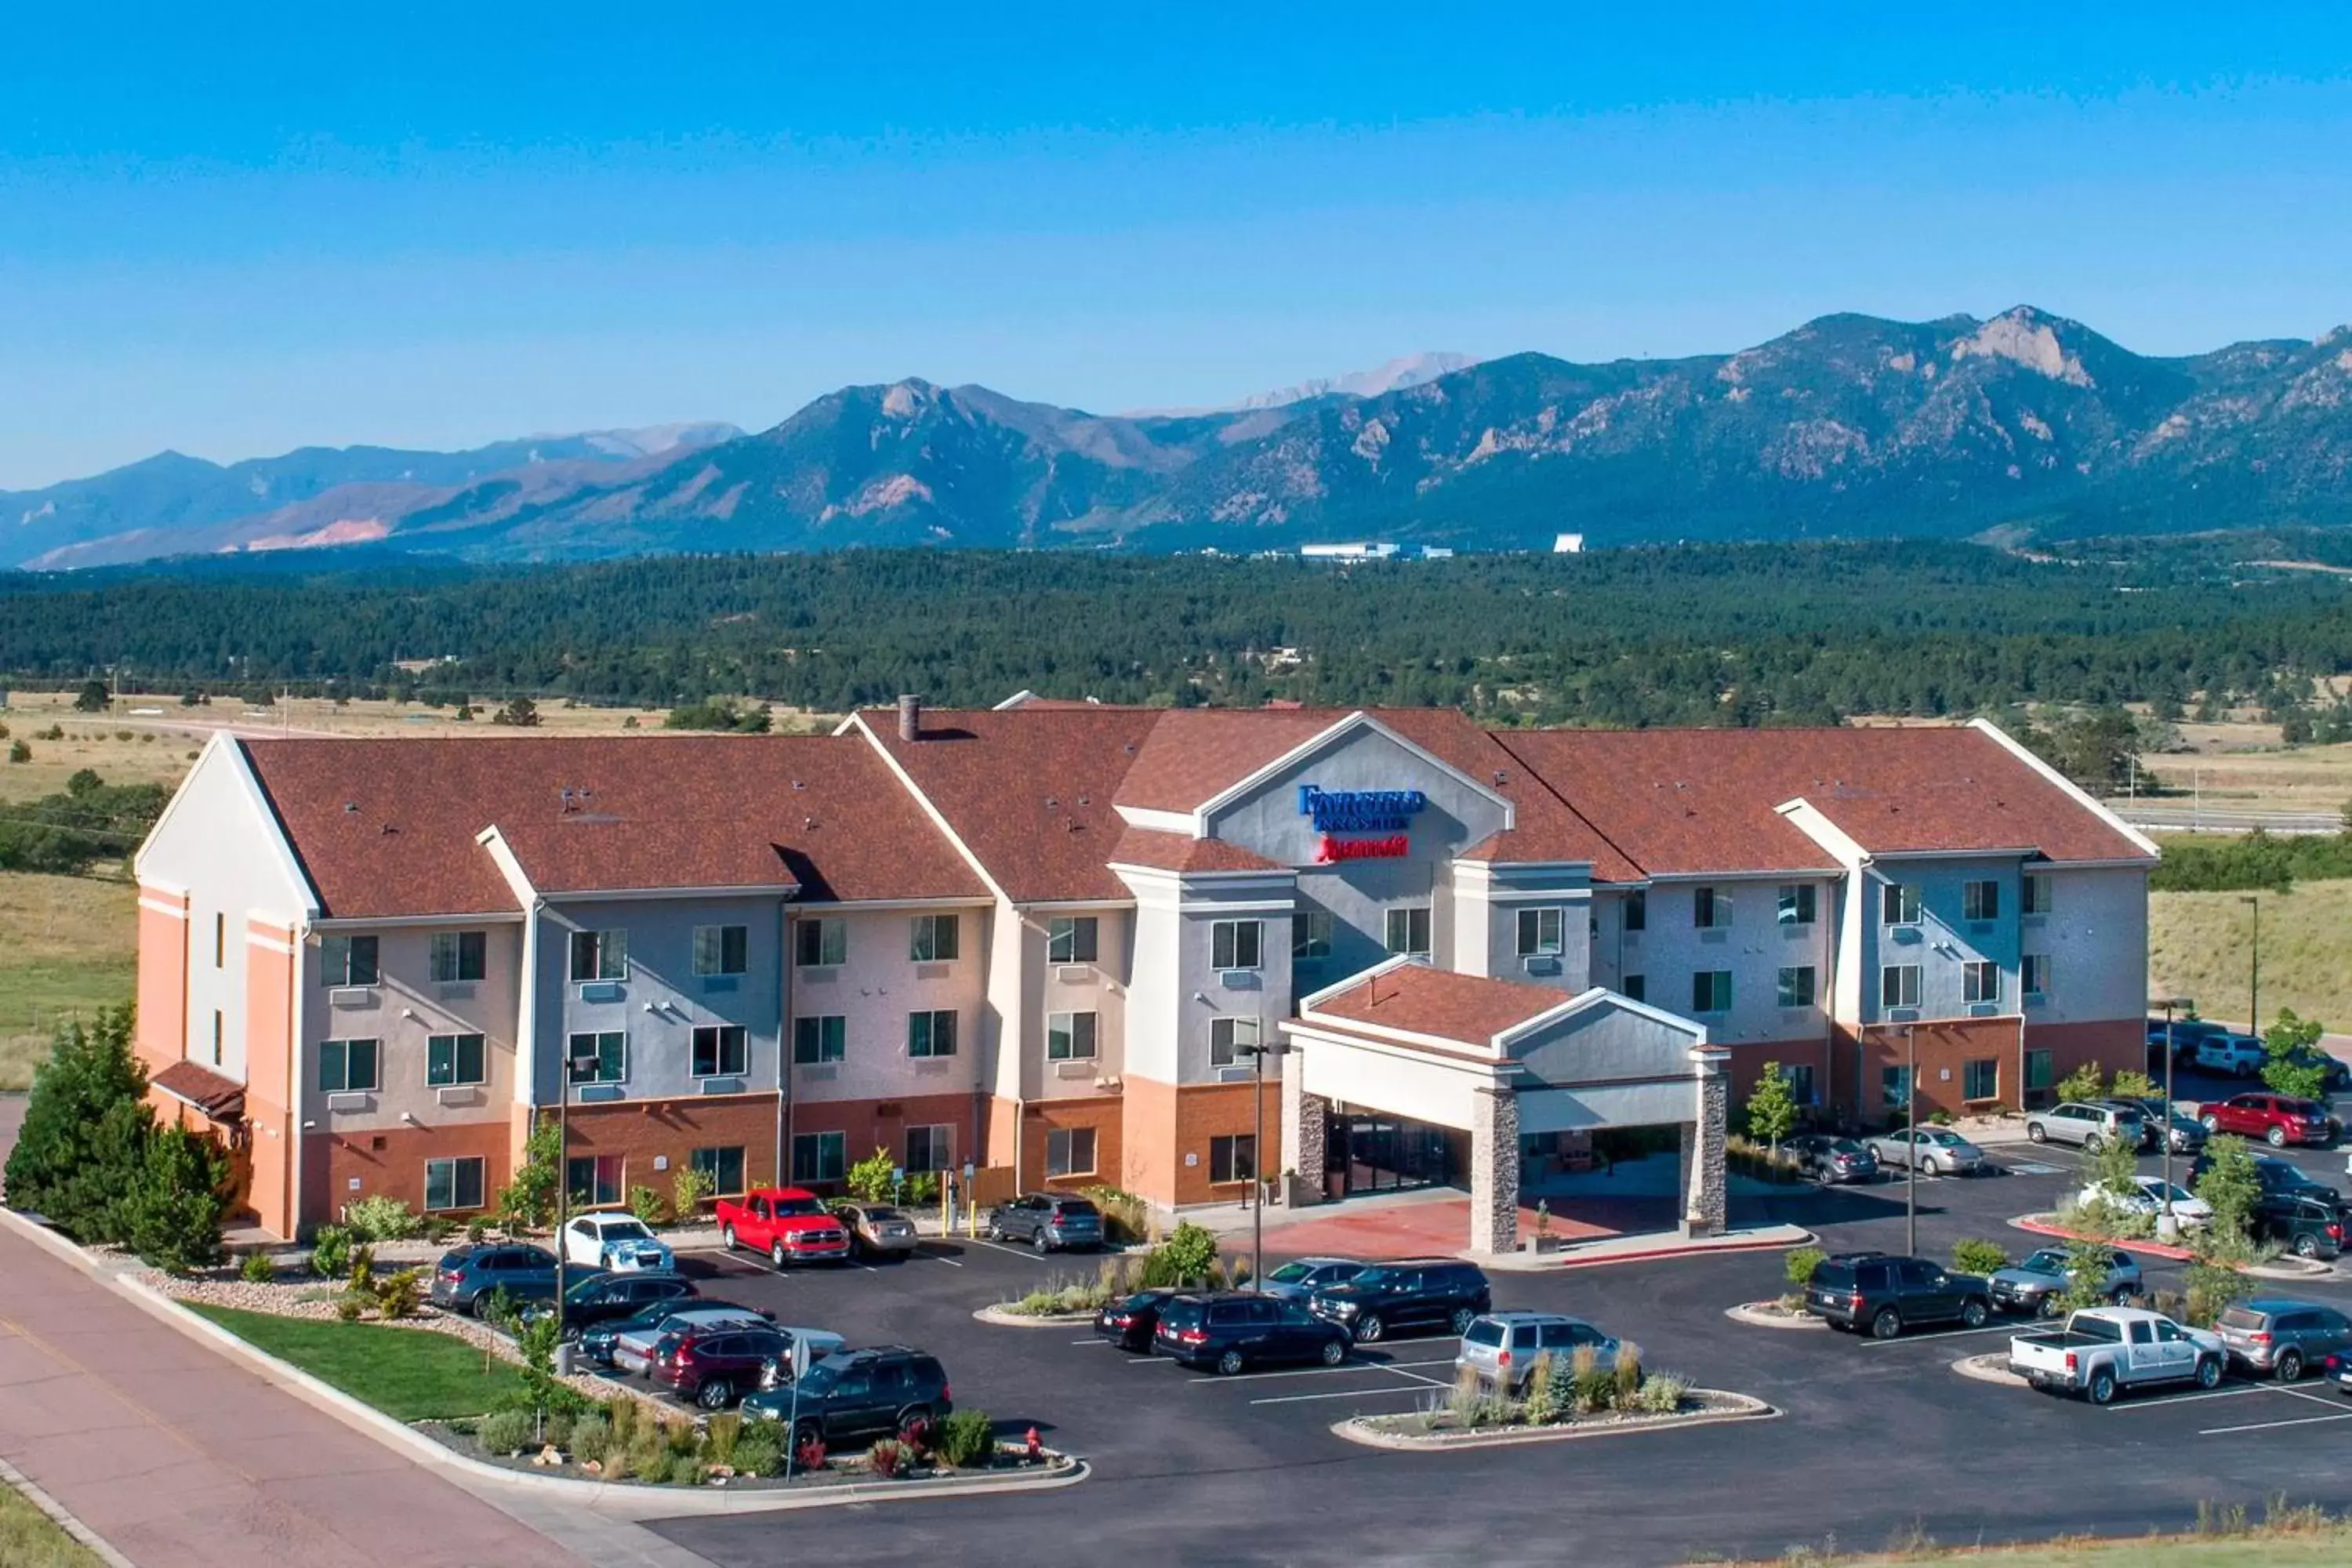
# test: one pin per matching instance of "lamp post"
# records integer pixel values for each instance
(2254, 975)
(1911, 1142)
(2167, 1226)
(573, 1068)
(1258, 1055)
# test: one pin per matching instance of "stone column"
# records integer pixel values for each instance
(1495, 1171)
(1304, 1124)
(1705, 1201)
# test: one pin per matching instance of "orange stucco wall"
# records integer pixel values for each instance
(1149, 1136)
(272, 1084)
(162, 1021)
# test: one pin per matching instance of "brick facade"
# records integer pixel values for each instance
(870, 1124)
(1040, 1118)
(641, 1132)
(1208, 1111)
(343, 1168)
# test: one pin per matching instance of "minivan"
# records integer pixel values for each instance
(1238, 1328)
(1502, 1348)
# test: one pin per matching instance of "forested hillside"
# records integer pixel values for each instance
(1716, 634)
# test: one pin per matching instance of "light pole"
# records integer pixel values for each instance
(1910, 1142)
(573, 1066)
(2255, 976)
(2167, 1226)
(1257, 1053)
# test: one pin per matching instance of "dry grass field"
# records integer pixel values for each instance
(68, 947)
(2200, 944)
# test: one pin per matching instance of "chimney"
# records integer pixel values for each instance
(910, 717)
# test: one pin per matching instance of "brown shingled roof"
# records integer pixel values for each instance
(387, 828)
(1182, 852)
(1194, 754)
(1438, 1002)
(220, 1098)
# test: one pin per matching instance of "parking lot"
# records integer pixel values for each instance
(1873, 1437)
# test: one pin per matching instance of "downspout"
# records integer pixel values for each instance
(294, 1080)
(1830, 992)
(783, 1039)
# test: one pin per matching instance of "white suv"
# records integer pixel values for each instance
(2089, 1126)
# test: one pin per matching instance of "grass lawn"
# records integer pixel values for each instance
(2300, 1549)
(412, 1373)
(2198, 945)
(29, 1540)
(68, 945)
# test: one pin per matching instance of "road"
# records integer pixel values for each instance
(2174, 817)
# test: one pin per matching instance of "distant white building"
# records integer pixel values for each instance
(1436, 553)
(1567, 544)
(1357, 550)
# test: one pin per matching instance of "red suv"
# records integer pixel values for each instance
(2276, 1119)
(717, 1364)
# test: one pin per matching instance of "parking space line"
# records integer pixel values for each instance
(2160, 1401)
(937, 1258)
(1943, 1334)
(2268, 1426)
(1011, 1251)
(1350, 1366)
(1344, 1394)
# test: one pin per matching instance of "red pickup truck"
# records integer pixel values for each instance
(788, 1224)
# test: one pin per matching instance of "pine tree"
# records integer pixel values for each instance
(171, 1216)
(85, 1130)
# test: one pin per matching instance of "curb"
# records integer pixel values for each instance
(1746, 1313)
(1752, 1409)
(1558, 1260)
(1992, 1369)
(1005, 1320)
(612, 1498)
(76, 1530)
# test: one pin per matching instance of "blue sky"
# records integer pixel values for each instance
(437, 228)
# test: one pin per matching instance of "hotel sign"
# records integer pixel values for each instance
(1388, 812)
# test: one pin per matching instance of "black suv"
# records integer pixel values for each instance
(1857, 1291)
(2304, 1222)
(602, 1297)
(858, 1392)
(1234, 1329)
(1046, 1221)
(1411, 1293)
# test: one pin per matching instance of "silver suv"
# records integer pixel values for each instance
(1503, 1348)
(2087, 1126)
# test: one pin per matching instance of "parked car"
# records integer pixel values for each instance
(857, 1394)
(2105, 1349)
(2193, 1212)
(1939, 1151)
(788, 1223)
(608, 1297)
(1129, 1321)
(2035, 1285)
(1502, 1348)
(2336, 1074)
(468, 1278)
(2306, 1226)
(2182, 1033)
(2087, 1124)
(1047, 1221)
(628, 1343)
(2278, 1120)
(2183, 1131)
(2234, 1055)
(714, 1363)
(1298, 1279)
(1828, 1158)
(1237, 1328)
(612, 1239)
(877, 1230)
(1885, 1295)
(2284, 1339)
(1411, 1293)
(2284, 1176)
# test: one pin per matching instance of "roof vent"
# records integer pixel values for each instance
(1131, 748)
(1500, 776)
(350, 806)
(387, 829)
(809, 823)
(1053, 805)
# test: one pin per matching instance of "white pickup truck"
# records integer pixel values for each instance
(2102, 1349)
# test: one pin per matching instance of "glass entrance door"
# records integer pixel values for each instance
(1376, 1153)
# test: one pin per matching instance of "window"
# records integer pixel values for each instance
(821, 943)
(1070, 1151)
(722, 950)
(820, 1040)
(934, 939)
(819, 1156)
(1796, 987)
(459, 955)
(1233, 944)
(1898, 904)
(220, 942)
(346, 1067)
(1637, 910)
(454, 1183)
(1800, 1077)
(1799, 904)
(1980, 900)
(1070, 938)
(348, 960)
(1980, 1079)
(1895, 1084)
(1310, 935)
(932, 1034)
(216, 1037)
(723, 1050)
(1634, 987)
(1408, 930)
(1233, 1158)
(1069, 1036)
(1711, 991)
(2041, 1070)
(1981, 982)
(593, 1178)
(1710, 909)
(1540, 932)
(931, 1148)
(602, 1058)
(1898, 986)
(451, 1060)
(2034, 974)
(723, 1168)
(600, 955)
(2037, 893)
(1228, 1040)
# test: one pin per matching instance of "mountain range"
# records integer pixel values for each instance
(2026, 425)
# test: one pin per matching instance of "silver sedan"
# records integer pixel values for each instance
(1936, 1151)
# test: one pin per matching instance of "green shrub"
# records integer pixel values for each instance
(1189, 1257)
(2088, 1081)
(648, 1205)
(759, 1448)
(688, 1189)
(719, 1442)
(653, 1465)
(507, 1432)
(349, 1306)
(1627, 1376)
(1592, 1386)
(1801, 1263)
(1663, 1394)
(1039, 1304)
(886, 1458)
(259, 1268)
(558, 1428)
(382, 1218)
(1543, 1391)
(622, 1413)
(1125, 1218)
(966, 1438)
(363, 1270)
(397, 1295)
(478, 1229)
(331, 1252)
(1978, 1255)
(682, 1439)
(592, 1438)
(871, 1178)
